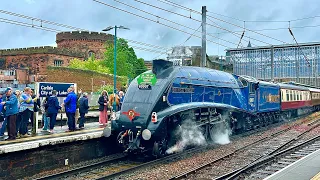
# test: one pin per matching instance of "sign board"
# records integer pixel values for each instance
(45, 88)
(147, 78)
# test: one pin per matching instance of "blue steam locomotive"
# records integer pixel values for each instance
(149, 117)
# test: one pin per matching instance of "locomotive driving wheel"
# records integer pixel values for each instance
(160, 148)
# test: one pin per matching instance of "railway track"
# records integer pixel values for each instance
(75, 171)
(119, 164)
(114, 166)
(227, 165)
(273, 163)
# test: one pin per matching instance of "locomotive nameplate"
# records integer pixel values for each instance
(144, 86)
(182, 90)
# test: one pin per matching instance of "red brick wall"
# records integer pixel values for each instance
(37, 63)
(83, 78)
(97, 46)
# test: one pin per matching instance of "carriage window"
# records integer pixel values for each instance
(287, 93)
(282, 96)
(291, 95)
(300, 96)
(251, 88)
(244, 82)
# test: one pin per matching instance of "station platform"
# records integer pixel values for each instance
(306, 168)
(44, 138)
(90, 114)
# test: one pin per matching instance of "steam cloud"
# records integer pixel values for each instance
(190, 134)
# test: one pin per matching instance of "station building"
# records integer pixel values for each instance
(279, 63)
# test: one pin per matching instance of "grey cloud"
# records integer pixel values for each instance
(95, 17)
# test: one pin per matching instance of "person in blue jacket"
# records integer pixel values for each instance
(12, 110)
(3, 120)
(70, 104)
(53, 108)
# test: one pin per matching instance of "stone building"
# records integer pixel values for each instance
(30, 64)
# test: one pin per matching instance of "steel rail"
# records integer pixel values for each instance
(85, 168)
(185, 174)
(154, 162)
(271, 158)
(274, 152)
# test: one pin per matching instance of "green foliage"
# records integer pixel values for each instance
(108, 88)
(127, 62)
(90, 64)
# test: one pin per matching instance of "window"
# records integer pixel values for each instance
(300, 96)
(11, 73)
(91, 54)
(291, 95)
(58, 63)
(287, 95)
(244, 82)
(251, 87)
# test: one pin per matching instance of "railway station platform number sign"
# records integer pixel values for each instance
(145, 81)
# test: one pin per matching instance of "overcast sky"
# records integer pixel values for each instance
(87, 14)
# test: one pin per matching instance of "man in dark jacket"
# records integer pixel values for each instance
(36, 107)
(53, 108)
(83, 109)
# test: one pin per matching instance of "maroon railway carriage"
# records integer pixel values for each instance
(294, 98)
(315, 98)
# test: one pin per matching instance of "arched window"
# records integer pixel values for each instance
(91, 54)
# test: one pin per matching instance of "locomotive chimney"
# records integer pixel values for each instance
(159, 65)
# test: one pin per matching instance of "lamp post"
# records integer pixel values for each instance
(115, 61)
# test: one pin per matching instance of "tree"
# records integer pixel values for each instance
(127, 62)
(140, 67)
(90, 64)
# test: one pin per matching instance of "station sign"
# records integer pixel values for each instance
(45, 88)
(146, 80)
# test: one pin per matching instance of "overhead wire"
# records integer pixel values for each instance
(4, 20)
(155, 21)
(189, 9)
(173, 22)
(216, 26)
(184, 41)
(39, 20)
(42, 21)
(57, 31)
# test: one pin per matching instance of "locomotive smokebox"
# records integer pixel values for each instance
(160, 65)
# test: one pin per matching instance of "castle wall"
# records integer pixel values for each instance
(84, 42)
(36, 63)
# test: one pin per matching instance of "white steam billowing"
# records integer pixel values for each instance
(189, 134)
(220, 134)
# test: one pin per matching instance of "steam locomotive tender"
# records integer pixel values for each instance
(149, 117)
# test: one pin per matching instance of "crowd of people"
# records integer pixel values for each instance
(106, 103)
(17, 110)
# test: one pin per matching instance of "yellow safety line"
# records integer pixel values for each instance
(316, 177)
(49, 136)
